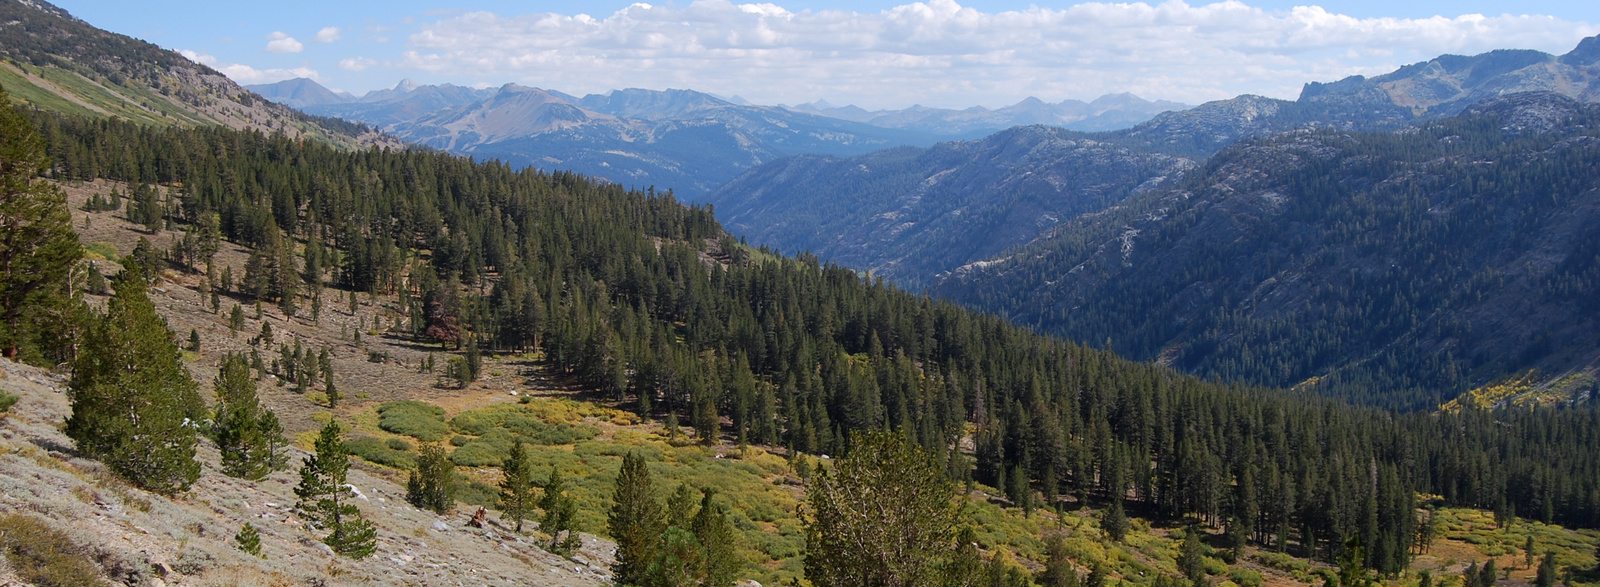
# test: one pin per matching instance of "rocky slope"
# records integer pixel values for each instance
(57, 62)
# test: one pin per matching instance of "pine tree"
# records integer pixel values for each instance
(133, 403)
(516, 485)
(328, 502)
(236, 318)
(247, 433)
(1546, 575)
(145, 208)
(1527, 553)
(432, 484)
(37, 245)
(560, 513)
(719, 558)
(1191, 561)
(636, 521)
(1097, 576)
(1115, 520)
(249, 540)
(883, 517)
(1058, 569)
(332, 392)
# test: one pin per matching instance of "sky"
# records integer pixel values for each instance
(875, 54)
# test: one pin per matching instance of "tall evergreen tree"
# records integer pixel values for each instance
(1546, 575)
(37, 245)
(1115, 520)
(636, 521)
(431, 486)
(1191, 561)
(1058, 569)
(247, 434)
(560, 514)
(134, 405)
(516, 485)
(720, 561)
(328, 502)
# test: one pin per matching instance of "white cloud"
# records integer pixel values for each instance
(356, 63)
(278, 42)
(328, 35)
(941, 53)
(245, 74)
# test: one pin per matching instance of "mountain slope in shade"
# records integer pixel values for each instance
(1108, 112)
(56, 62)
(301, 93)
(1412, 265)
(909, 213)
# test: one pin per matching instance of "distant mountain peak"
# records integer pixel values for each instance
(1586, 53)
(407, 85)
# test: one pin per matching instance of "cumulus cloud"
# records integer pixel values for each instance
(328, 35)
(278, 42)
(245, 74)
(356, 63)
(941, 53)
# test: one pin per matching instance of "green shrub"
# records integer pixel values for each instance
(43, 555)
(478, 453)
(413, 418)
(1245, 577)
(459, 440)
(379, 452)
(399, 444)
(475, 492)
(102, 250)
(520, 421)
(6, 401)
(1282, 562)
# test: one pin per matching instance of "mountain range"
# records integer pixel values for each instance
(1108, 112)
(1087, 248)
(689, 141)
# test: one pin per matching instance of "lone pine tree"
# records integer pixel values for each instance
(134, 405)
(247, 434)
(560, 513)
(326, 500)
(431, 486)
(516, 484)
(636, 521)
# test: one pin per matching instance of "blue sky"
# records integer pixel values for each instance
(873, 53)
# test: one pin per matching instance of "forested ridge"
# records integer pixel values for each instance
(1393, 269)
(650, 302)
